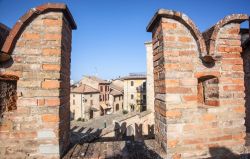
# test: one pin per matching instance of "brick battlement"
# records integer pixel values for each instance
(35, 118)
(199, 85)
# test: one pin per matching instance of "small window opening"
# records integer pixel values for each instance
(8, 93)
(132, 96)
(132, 83)
(208, 91)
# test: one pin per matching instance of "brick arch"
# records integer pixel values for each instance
(186, 21)
(211, 34)
(24, 21)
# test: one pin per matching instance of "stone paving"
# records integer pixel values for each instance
(98, 122)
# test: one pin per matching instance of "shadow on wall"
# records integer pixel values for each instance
(131, 142)
(225, 153)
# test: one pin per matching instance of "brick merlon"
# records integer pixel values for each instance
(16, 31)
(210, 34)
(206, 40)
(185, 20)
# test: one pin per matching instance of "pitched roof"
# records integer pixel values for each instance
(115, 92)
(134, 77)
(99, 80)
(84, 89)
(116, 87)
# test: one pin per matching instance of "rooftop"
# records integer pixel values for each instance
(84, 89)
(99, 80)
(116, 87)
(115, 92)
(134, 76)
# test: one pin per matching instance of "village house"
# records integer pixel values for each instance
(135, 92)
(116, 97)
(103, 87)
(84, 102)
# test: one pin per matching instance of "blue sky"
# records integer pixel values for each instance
(109, 40)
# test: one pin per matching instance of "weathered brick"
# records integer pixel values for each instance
(208, 117)
(51, 67)
(51, 51)
(51, 84)
(52, 102)
(52, 36)
(50, 118)
(173, 114)
(31, 36)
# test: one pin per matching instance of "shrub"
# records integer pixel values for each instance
(125, 112)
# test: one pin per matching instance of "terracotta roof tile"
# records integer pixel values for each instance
(99, 80)
(84, 89)
(115, 92)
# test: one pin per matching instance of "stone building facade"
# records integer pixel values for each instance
(199, 86)
(116, 98)
(134, 92)
(103, 87)
(84, 102)
(35, 74)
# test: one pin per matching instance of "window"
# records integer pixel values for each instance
(100, 97)
(73, 95)
(117, 107)
(90, 95)
(132, 96)
(208, 91)
(74, 102)
(132, 83)
(91, 102)
(8, 94)
(101, 88)
(106, 88)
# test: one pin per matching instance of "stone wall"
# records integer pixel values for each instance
(246, 62)
(40, 46)
(137, 122)
(190, 124)
(150, 76)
